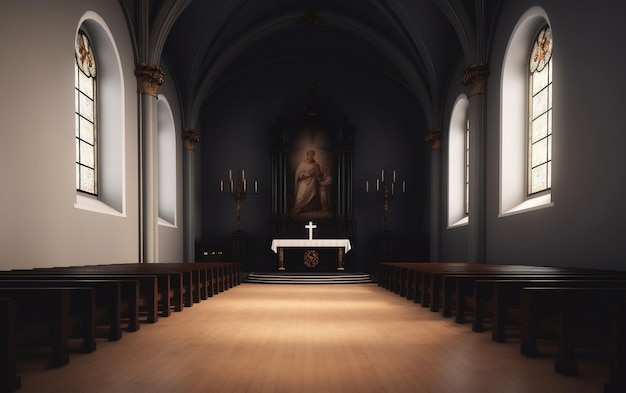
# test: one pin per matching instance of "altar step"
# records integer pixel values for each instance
(307, 278)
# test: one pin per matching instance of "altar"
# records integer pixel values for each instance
(311, 257)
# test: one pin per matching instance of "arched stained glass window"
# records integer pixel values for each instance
(540, 113)
(86, 114)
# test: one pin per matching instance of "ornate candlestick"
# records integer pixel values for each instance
(238, 190)
(386, 190)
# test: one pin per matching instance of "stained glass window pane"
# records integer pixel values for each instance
(549, 139)
(85, 112)
(87, 154)
(86, 131)
(85, 84)
(76, 100)
(539, 128)
(549, 185)
(539, 152)
(86, 107)
(467, 199)
(539, 178)
(540, 79)
(540, 103)
(540, 116)
(87, 180)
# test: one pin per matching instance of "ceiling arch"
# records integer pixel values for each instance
(211, 69)
(204, 43)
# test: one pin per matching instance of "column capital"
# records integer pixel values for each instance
(190, 138)
(475, 79)
(434, 138)
(150, 77)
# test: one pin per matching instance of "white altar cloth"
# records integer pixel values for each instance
(284, 243)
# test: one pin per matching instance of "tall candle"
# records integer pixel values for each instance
(244, 184)
(382, 175)
(367, 186)
(377, 185)
(221, 185)
(394, 176)
(243, 174)
(230, 174)
(232, 186)
(256, 187)
(403, 186)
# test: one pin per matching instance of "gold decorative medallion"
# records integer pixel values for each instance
(311, 258)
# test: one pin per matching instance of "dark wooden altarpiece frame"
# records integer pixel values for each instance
(333, 143)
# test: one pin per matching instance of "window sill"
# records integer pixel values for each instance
(95, 205)
(165, 223)
(535, 203)
(462, 222)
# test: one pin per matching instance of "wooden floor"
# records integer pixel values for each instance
(307, 338)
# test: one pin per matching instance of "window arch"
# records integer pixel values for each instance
(458, 163)
(514, 119)
(167, 162)
(109, 174)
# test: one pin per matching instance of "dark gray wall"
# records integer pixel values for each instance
(584, 227)
(389, 134)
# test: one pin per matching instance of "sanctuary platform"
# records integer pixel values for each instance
(307, 278)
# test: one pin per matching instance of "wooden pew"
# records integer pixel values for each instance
(56, 306)
(563, 313)
(422, 281)
(139, 291)
(503, 296)
(108, 299)
(183, 281)
(169, 284)
(617, 368)
(221, 275)
(404, 278)
(458, 289)
(435, 277)
(9, 380)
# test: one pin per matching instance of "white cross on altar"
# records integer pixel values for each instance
(310, 226)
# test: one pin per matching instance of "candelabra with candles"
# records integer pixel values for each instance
(386, 190)
(238, 186)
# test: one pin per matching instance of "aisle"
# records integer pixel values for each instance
(307, 338)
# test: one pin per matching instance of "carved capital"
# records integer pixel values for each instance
(190, 138)
(434, 138)
(150, 77)
(475, 79)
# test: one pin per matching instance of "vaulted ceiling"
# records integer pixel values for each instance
(414, 42)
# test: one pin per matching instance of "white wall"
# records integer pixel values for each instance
(170, 237)
(39, 225)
